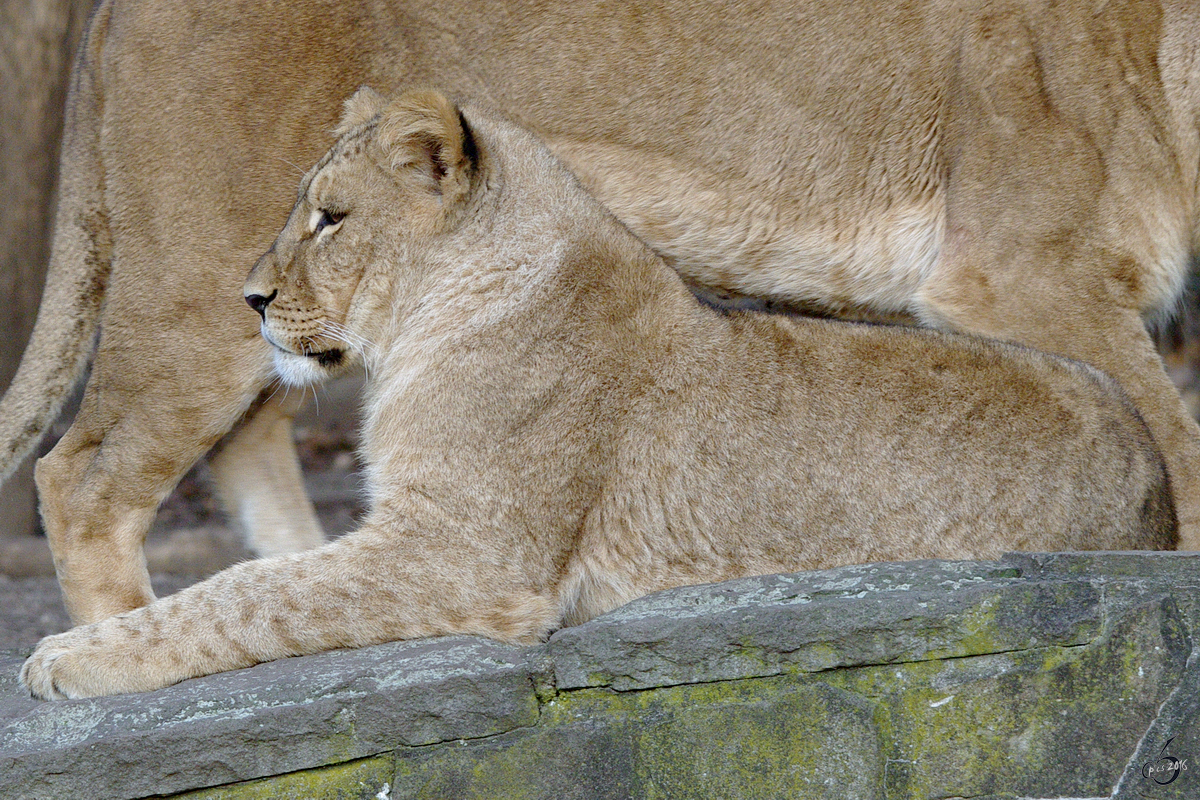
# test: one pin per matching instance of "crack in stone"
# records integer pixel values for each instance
(462, 740)
(1185, 693)
(1187, 690)
(797, 672)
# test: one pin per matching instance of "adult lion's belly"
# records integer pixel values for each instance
(835, 250)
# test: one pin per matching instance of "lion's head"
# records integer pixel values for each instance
(397, 176)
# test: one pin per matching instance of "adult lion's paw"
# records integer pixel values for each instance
(88, 661)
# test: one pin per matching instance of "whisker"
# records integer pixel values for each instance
(360, 345)
(278, 384)
(342, 334)
(293, 166)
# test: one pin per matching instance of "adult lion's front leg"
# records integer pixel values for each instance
(138, 430)
(158, 233)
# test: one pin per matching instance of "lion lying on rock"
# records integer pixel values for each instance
(555, 426)
(1025, 171)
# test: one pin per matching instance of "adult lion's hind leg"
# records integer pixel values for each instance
(97, 546)
(258, 477)
(1063, 226)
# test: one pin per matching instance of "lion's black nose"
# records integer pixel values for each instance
(260, 303)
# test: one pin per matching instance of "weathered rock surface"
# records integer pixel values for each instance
(1037, 676)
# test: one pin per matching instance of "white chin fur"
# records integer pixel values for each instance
(298, 371)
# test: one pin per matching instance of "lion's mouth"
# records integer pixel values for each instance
(328, 358)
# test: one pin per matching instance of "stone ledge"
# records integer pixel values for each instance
(809, 622)
(1039, 675)
(278, 717)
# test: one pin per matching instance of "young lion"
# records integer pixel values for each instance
(554, 426)
(1023, 170)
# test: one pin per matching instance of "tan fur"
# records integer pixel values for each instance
(1018, 169)
(257, 474)
(555, 426)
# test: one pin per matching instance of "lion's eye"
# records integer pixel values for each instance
(327, 219)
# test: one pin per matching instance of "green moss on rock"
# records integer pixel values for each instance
(775, 737)
(1040, 722)
(364, 779)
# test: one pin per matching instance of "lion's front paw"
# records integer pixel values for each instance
(53, 671)
(85, 662)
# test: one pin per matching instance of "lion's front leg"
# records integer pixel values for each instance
(364, 589)
(220, 624)
(106, 657)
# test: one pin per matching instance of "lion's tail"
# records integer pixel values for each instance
(80, 261)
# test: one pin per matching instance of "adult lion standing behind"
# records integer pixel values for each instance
(1025, 170)
(554, 426)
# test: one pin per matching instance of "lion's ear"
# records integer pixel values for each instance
(359, 108)
(425, 131)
